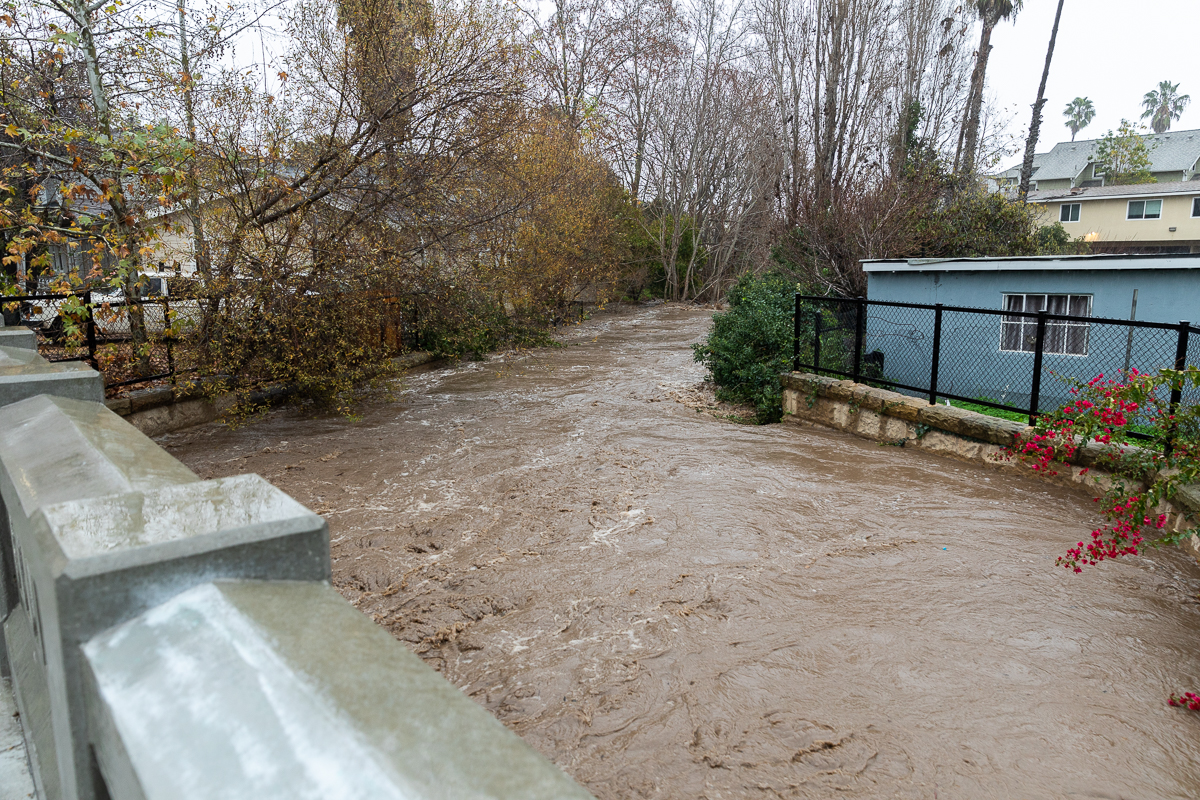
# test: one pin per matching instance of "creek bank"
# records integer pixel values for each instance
(901, 420)
(165, 409)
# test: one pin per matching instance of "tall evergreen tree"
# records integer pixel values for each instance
(990, 12)
(1035, 124)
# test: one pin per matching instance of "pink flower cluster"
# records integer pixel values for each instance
(1102, 410)
(1042, 450)
(1189, 700)
(1121, 538)
(1110, 415)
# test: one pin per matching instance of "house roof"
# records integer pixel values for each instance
(1169, 152)
(1025, 263)
(1014, 172)
(1174, 150)
(51, 194)
(1117, 192)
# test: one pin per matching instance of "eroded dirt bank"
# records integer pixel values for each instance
(673, 606)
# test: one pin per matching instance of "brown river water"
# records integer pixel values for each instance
(671, 605)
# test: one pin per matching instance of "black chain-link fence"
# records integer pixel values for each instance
(98, 328)
(1017, 361)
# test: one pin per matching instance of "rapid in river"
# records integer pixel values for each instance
(672, 605)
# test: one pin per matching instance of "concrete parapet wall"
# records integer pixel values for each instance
(23, 373)
(21, 338)
(176, 688)
(905, 421)
(105, 525)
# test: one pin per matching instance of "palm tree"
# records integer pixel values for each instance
(1164, 105)
(990, 13)
(1079, 113)
(1035, 124)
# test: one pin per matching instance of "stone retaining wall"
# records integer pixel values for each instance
(904, 421)
(158, 411)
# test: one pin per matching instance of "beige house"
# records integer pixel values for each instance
(1145, 218)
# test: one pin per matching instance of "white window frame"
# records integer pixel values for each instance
(1075, 207)
(1195, 207)
(1129, 207)
(1062, 338)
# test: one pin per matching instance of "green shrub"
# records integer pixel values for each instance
(751, 344)
(465, 327)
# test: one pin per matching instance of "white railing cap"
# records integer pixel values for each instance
(277, 689)
(55, 449)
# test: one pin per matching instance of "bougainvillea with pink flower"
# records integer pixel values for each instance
(1188, 700)
(1152, 449)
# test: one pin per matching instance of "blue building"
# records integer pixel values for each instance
(991, 355)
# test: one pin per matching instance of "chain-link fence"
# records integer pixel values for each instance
(97, 327)
(60, 321)
(1020, 361)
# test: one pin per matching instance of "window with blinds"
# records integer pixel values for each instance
(1144, 209)
(1063, 337)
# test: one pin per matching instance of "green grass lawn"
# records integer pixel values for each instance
(1015, 416)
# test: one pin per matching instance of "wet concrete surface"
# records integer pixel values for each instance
(16, 781)
(671, 605)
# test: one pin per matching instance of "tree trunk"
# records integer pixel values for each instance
(82, 18)
(828, 78)
(1035, 124)
(199, 243)
(975, 102)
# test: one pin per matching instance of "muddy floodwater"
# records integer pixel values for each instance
(672, 605)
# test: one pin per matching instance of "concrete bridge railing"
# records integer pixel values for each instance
(171, 637)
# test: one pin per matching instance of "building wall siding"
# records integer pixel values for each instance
(1163, 295)
(1053, 185)
(972, 362)
(1104, 220)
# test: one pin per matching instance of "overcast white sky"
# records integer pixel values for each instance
(1111, 51)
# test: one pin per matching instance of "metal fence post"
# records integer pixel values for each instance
(1181, 350)
(170, 337)
(817, 341)
(91, 328)
(1035, 390)
(1129, 338)
(796, 335)
(937, 353)
(860, 306)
